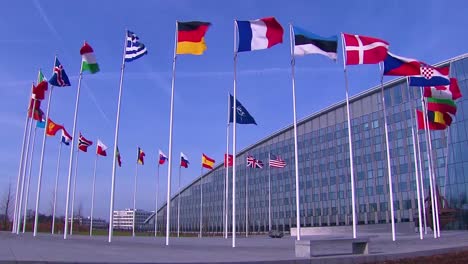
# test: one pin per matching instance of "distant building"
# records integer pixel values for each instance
(123, 219)
(97, 223)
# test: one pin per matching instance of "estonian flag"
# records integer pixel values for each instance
(309, 43)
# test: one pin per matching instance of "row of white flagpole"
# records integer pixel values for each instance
(26, 142)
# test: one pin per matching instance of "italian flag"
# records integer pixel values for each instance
(88, 58)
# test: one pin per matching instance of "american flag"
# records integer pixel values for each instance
(277, 163)
(254, 163)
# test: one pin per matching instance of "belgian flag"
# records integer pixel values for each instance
(191, 37)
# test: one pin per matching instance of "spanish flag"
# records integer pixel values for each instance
(52, 128)
(207, 162)
(191, 37)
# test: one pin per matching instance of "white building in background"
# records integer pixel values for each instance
(123, 219)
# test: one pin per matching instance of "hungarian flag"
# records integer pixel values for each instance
(101, 148)
(191, 37)
(364, 50)
(88, 59)
(141, 156)
(432, 125)
(183, 160)
(117, 156)
(52, 128)
(162, 158)
(451, 91)
(84, 143)
(207, 162)
(228, 160)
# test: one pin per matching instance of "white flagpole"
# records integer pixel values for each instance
(351, 161)
(56, 188)
(421, 176)
(72, 152)
(426, 128)
(434, 183)
(234, 119)
(73, 195)
(116, 138)
(23, 173)
(389, 161)
(178, 205)
(269, 193)
(156, 205)
(296, 156)
(226, 179)
(247, 170)
(41, 163)
(447, 135)
(92, 196)
(134, 199)
(171, 121)
(22, 161)
(28, 181)
(415, 154)
(201, 202)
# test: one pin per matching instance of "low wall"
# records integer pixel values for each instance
(407, 227)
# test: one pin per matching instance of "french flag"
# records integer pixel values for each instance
(400, 66)
(162, 158)
(259, 34)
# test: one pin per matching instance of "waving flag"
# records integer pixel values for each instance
(228, 160)
(183, 160)
(441, 105)
(207, 162)
(66, 138)
(83, 143)
(277, 162)
(309, 43)
(141, 156)
(88, 59)
(39, 91)
(117, 156)
(451, 91)
(162, 158)
(259, 34)
(432, 125)
(242, 115)
(191, 37)
(254, 163)
(60, 77)
(400, 66)
(364, 50)
(430, 76)
(101, 148)
(41, 124)
(36, 113)
(52, 128)
(134, 49)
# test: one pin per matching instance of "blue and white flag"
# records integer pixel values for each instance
(242, 115)
(66, 138)
(134, 49)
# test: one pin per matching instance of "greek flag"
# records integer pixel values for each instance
(134, 49)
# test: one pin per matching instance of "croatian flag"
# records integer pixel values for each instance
(430, 76)
(184, 160)
(259, 34)
(400, 66)
(162, 157)
(66, 138)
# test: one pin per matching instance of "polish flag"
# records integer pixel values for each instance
(101, 148)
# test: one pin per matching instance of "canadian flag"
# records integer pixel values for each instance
(364, 50)
(101, 148)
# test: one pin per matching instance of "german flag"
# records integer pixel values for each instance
(207, 162)
(191, 37)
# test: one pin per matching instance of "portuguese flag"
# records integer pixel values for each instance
(191, 37)
(88, 58)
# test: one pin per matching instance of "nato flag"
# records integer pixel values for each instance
(242, 115)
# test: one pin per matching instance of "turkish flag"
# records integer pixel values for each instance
(228, 160)
(364, 50)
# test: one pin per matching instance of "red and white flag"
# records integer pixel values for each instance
(364, 50)
(228, 160)
(84, 143)
(101, 148)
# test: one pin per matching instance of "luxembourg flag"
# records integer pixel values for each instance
(162, 157)
(259, 34)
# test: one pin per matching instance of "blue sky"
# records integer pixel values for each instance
(35, 31)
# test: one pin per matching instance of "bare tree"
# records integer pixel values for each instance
(6, 207)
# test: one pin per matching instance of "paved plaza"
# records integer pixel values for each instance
(259, 249)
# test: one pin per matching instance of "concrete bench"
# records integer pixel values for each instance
(331, 246)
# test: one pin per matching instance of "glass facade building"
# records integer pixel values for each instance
(324, 171)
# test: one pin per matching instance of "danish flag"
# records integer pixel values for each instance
(364, 50)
